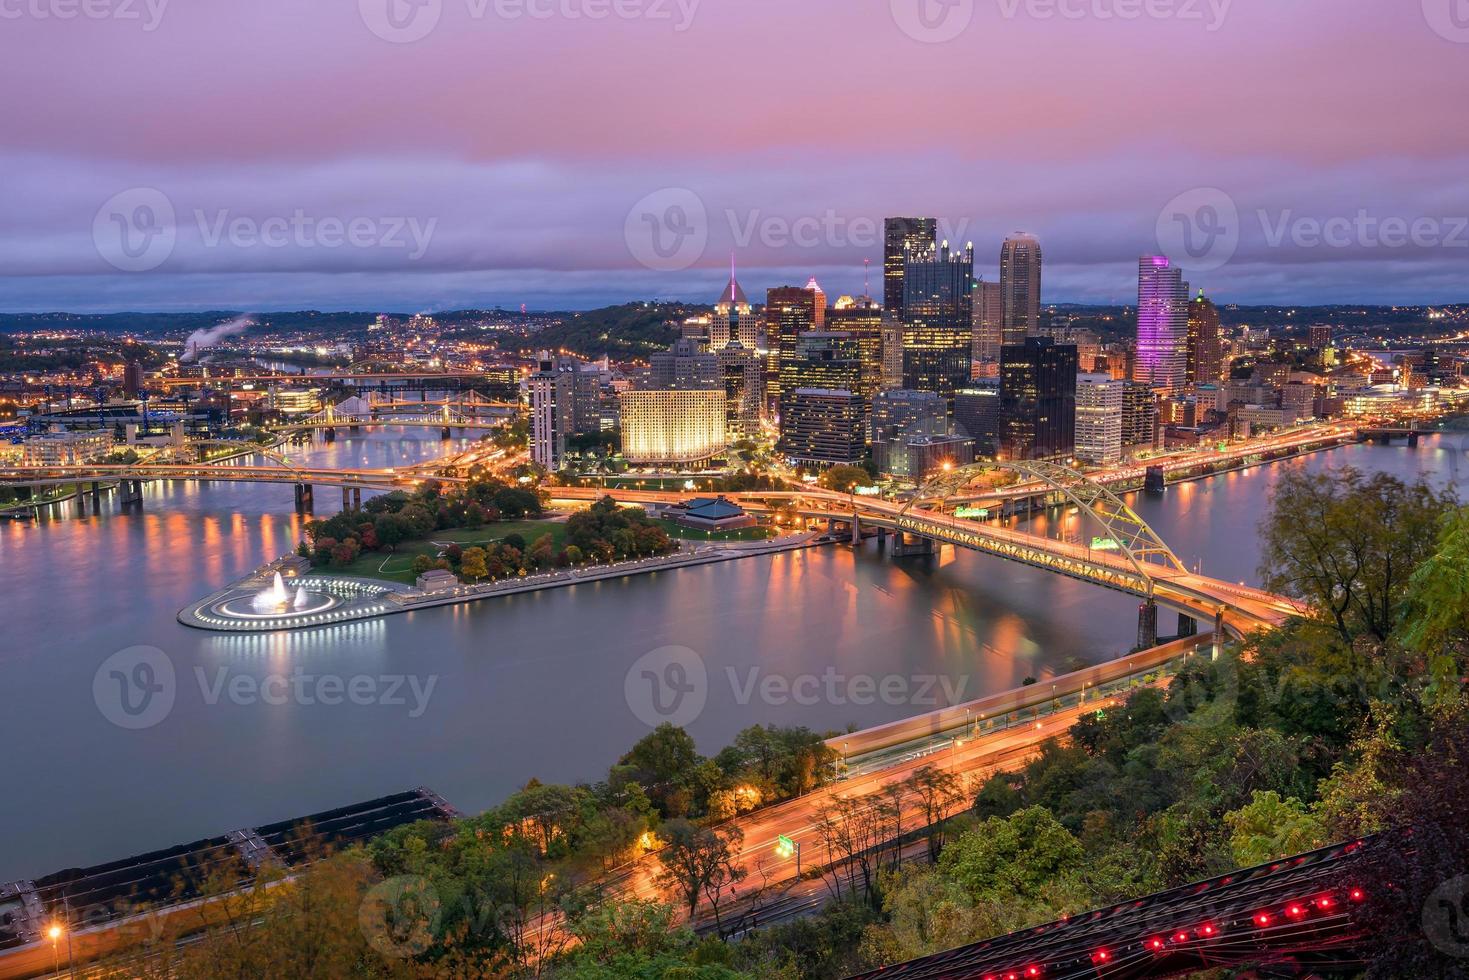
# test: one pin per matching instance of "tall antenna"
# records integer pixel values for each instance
(867, 279)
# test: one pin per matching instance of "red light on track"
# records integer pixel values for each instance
(1262, 920)
(1295, 910)
(1324, 902)
(1207, 930)
(1101, 956)
(1180, 937)
(1154, 944)
(1032, 971)
(1358, 895)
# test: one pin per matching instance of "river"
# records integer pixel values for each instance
(472, 701)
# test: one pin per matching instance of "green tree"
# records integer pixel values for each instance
(1348, 543)
(1437, 616)
(1270, 827)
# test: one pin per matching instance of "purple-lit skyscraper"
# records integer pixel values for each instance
(1162, 325)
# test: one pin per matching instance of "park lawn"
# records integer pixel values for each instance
(397, 566)
(675, 530)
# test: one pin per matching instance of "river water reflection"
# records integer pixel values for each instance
(474, 700)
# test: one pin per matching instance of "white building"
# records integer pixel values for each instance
(66, 448)
(662, 426)
(1099, 419)
(552, 402)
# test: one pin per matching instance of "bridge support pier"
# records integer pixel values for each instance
(96, 497)
(1147, 625)
(907, 545)
(305, 502)
(445, 434)
(356, 498)
(1156, 480)
(1413, 439)
(130, 492)
(346, 498)
(882, 538)
(1187, 626)
(1218, 633)
(81, 500)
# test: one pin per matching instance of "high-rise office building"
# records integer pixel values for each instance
(892, 350)
(902, 236)
(977, 413)
(1020, 286)
(744, 390)
(1139, 418)
(830, 359)
(823, 427)
(989, 318)
(1099, 419)
(862, 318)
(1320, 336)
(789, 312)
(735, 319)
(938, 324)
(900, 412)
(1038, 399)
(1162, 326)
(687, 367)
(1205, 360)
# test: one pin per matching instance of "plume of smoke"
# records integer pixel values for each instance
(201, 339)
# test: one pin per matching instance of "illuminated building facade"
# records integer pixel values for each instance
(902, 236)
(735, 320)
(675, 428)
(989, 318)
(1205, 353)
(1020, 287)
(743, 373)
(789, 312)
(822, 427)
(1162, 326)
(938, 325)
(1099, 419)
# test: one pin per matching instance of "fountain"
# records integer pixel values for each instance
(303, 599)
(273, 599)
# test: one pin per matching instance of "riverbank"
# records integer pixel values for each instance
(339, 599)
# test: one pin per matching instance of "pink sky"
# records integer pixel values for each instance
(524, 141)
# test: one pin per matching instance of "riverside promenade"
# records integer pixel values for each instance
(353, 599)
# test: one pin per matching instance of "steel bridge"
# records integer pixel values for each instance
(1143, 565)
(1299, 912)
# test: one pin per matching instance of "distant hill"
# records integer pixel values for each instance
(629, 330)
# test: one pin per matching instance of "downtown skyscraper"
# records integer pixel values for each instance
(1020, 288)
(1162, 326)
(938, 322)
(902, 236)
